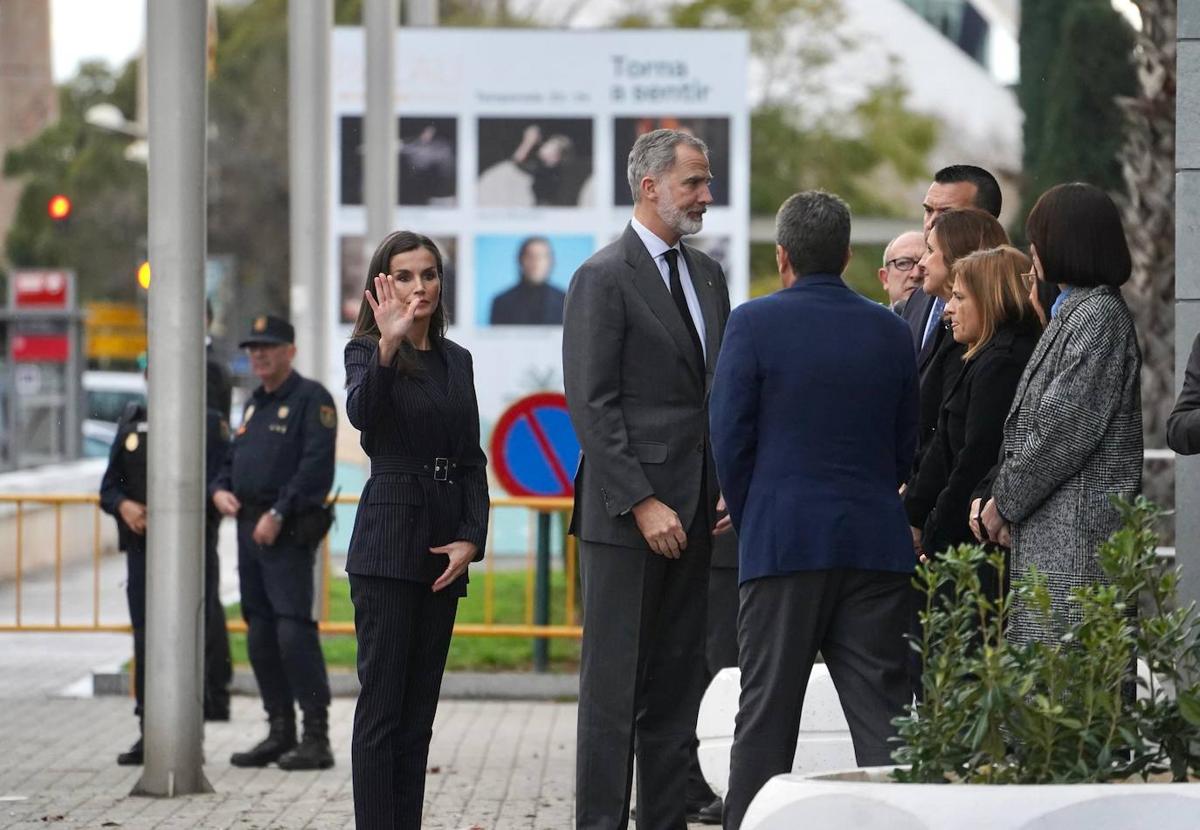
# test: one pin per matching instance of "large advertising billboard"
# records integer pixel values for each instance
(511, 156)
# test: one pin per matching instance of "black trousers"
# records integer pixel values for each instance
(640, 680)
(403, 631)
(720, 652)
(721, 647)
(281, 637)
(857, 620)
(218, 665)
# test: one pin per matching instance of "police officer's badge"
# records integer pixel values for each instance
(328, 417)
(260, 324)
(283, 412)
(131, 442)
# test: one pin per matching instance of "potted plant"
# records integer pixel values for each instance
(1071, 710)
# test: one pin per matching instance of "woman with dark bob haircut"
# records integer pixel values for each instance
(1073, 436)
(422, 519)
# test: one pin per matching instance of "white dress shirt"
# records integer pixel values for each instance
(657, 248)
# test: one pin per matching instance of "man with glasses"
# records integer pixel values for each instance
(275, 480)
(899, 275)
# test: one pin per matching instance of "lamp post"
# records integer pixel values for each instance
(108, 117)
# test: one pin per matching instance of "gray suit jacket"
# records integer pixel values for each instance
(636, 391)
(1073, 437)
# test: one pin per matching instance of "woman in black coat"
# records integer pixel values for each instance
(992, 318)
(953, 235)
(422, 519)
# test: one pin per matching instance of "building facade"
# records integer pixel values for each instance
(28, 103)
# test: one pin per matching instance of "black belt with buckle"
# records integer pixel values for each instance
(438, 468)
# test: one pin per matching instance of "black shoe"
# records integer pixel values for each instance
(132, 757)
(314, 751)
(279, 740)
(216, 710)
(712, 813)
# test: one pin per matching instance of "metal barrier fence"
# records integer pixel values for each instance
(537, 591)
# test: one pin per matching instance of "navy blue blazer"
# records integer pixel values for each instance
(814, 424)
(400, 515)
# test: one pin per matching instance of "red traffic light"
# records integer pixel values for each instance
(59, 207)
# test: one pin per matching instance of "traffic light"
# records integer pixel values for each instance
(143, 275)
(59, 208)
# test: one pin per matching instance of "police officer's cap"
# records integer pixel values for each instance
(268, 330)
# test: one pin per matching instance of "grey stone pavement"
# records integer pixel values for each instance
(493, 764)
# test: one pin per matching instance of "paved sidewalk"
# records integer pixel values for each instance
(492, 765)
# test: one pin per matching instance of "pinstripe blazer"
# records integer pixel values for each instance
(401, 516)
(1072, 439)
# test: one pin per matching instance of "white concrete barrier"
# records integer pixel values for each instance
(824, 740)
(866, 798)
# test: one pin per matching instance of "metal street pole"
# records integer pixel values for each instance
(310, 25)
(380, 21)
(1187, 281)
(174, 726)
(421, 13)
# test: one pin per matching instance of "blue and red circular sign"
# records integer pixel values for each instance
(534, 448)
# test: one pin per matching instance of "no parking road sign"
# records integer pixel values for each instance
(534, 448)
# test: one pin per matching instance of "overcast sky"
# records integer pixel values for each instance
(86, 29)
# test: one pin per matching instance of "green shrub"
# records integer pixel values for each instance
(1061, 710)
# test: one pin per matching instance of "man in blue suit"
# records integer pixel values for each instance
(814, 423)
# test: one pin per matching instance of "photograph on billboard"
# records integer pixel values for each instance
(528, 162)
(712, 131)
(521, 280)
(427, 154)
(428, 161)
(517, 169)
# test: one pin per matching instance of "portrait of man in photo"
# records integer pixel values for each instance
(521, 280)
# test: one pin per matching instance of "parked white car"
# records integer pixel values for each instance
(106, 394)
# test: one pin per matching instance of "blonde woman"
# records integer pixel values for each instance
(992, 319)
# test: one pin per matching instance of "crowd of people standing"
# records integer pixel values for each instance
(994, 399)
(756, 485)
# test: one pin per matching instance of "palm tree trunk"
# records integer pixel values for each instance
(1148, 162)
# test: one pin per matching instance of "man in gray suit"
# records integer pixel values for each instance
(642, 327)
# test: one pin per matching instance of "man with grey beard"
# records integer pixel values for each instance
(642, 326)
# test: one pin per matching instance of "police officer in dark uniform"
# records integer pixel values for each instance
(123, 495)
(275, 481)
(220, 390)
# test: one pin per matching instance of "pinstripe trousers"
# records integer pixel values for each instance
(403, 631)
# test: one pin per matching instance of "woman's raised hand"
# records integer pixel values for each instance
(393, 316)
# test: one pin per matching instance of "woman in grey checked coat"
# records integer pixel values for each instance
(1073, 436)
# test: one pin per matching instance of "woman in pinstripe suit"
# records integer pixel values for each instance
(422, 519)
(1073, 436)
